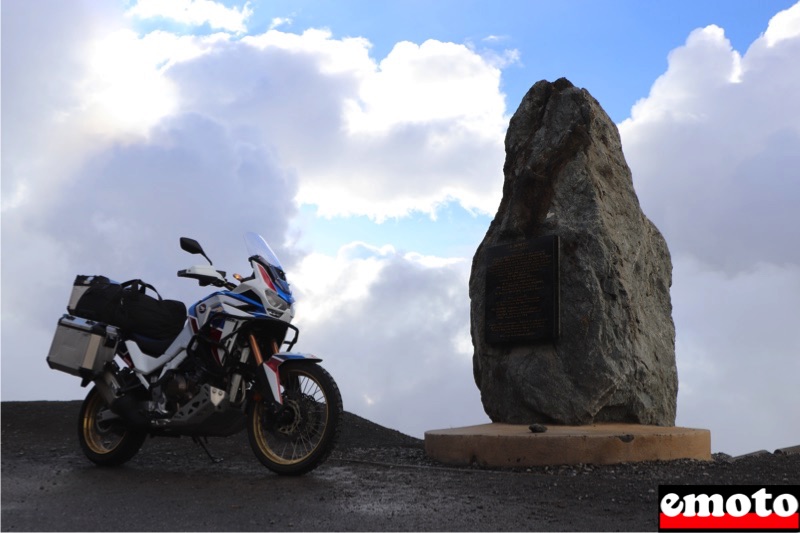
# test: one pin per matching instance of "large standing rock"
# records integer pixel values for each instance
(565, 175)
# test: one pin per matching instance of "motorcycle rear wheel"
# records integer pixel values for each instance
(105, 442)
(301, 437)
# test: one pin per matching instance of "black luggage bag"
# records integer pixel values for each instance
(127, 306)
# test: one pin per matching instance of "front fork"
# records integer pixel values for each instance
(268, 377)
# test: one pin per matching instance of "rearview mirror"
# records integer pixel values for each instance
(193, 247)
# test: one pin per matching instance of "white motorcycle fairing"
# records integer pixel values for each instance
(146, 364)
(272, 369)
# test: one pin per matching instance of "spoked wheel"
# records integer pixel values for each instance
(104, 438)
(303, 434)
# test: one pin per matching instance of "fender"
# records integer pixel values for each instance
(272, 370)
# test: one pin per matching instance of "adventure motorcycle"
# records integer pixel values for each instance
(157, 371)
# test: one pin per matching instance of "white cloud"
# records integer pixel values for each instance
(737, 353)
(125, 87)
(785, 25)
(330, 56)
(707, 63)
(195, 13)
(79, 92)
(714, 154)
(45, 52)
(726, 149)
(427, 83)
(333, 282)
(423, 127)
(279, 21)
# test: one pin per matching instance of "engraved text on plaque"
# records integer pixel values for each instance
(522, 292)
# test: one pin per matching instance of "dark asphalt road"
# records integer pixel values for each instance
(66, 494)
(171, 485)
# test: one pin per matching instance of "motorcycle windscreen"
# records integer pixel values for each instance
(257, 245)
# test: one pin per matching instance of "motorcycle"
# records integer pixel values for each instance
(159, 369)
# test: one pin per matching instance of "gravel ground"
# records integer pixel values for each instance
(377, 479)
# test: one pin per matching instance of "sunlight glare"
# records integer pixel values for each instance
(127, 88)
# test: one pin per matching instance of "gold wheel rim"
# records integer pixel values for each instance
(297, 440)
(100, 439)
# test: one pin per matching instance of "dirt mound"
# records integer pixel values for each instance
(60, 418)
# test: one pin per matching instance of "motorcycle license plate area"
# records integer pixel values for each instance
(81, 347)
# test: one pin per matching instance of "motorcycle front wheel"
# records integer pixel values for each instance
(302, 435)
(104, 438)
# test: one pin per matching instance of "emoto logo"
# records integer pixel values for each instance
(729, 508)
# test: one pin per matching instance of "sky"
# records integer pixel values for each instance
(364, 140)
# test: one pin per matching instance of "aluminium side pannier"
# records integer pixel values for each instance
(82, 347)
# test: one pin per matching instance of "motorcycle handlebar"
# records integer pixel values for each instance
(205, 280)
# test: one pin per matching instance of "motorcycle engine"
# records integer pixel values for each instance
(176, 389)
(181, 388)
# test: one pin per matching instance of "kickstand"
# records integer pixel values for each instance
(202, 444)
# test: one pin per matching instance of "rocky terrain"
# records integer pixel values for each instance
(377, 480)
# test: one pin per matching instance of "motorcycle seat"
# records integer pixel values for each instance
(150, 346)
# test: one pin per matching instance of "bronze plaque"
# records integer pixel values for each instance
(522, 291)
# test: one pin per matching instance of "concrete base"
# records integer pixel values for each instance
(509, 445)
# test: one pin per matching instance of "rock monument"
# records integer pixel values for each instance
(571, 318)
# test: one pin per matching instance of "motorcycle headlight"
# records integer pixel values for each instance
(276, 301)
